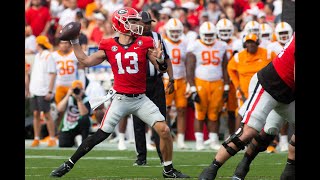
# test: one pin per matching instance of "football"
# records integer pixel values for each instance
(70, 31)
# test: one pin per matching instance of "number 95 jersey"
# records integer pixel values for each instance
(208, 59)
(128, 63)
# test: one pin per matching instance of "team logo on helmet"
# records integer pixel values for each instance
(122, 11)
(140, 43)
(114, 48)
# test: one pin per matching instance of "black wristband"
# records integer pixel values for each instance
(163, 66)
(171, 80)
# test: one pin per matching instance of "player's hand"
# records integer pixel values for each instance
(156, 52)
(170, 87)
(195, 97)
(240, 94)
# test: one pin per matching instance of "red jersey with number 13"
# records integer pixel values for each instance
(128, 63)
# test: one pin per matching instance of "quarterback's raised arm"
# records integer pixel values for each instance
(92, 60)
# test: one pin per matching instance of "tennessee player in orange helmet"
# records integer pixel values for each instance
(225, 30)
(177, 51)
(209, 81)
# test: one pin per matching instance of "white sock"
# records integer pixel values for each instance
(148, 138)
(121, 136)
(180, 138)
(52, 138)
(167, 163)
(283, 139)
(36, 138)
(199, 137)
(213, 137)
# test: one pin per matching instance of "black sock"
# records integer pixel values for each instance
(291, 162)
(168, 168)
(88, 143)
(216, 164)
(248, 157)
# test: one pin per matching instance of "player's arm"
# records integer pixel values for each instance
(87, 61)
(225, 60)
(190, 65)
(232, 72)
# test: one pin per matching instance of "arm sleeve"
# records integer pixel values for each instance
(233, 73)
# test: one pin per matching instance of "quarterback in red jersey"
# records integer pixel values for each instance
(127, 55)
(271, 88)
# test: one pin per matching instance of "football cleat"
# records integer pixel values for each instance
(61, 170)
(236, 178)
(242, 169)
(139, 162)
(208, 173)
(173, 173)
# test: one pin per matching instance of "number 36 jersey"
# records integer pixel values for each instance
(208, 59)
(128, 63)
(67, 67)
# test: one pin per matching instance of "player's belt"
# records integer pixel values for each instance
(129, 95)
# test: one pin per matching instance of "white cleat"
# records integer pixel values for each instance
(199, 146)
(122, 146)
(215, 145)
(283, 147)
(151, 147)
(182, 146)
(207, 142)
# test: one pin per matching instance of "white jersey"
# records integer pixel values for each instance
(230, 47)
(177, 53)
(208, 59)
(42, 66)
(66, 67)
(276, 47)
(264, 43)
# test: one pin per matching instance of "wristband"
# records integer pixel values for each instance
(193, 89)
(171, 80)
(162, 67)
(226, 87)
(74, 41)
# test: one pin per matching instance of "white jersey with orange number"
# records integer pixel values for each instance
(67, 67)
(276, 47)
(177, 53)
(208, 59)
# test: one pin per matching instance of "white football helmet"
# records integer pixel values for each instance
(283, 32)
(225, 29)
(207, 32)
(174, 29)
(266, 31)
(252, 27)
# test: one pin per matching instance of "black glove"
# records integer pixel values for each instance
(195, 97)
(225, 96)
(226, 89)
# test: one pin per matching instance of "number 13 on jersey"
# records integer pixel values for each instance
(133, 68)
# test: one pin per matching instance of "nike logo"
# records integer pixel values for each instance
(135, 47)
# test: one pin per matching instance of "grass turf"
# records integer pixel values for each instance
(112, 164)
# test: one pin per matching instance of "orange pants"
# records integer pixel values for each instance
(211, 100)
(178, 96)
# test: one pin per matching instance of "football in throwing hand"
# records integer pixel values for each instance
(70, 31)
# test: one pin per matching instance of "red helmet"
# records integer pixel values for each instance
(121, 24)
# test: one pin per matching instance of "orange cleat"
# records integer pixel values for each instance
(271, 149)
(35, 143)
(52, 143)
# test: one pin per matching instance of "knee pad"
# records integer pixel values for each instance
(235, 139)
(263, 142)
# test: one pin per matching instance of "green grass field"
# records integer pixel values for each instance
(101, 164)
